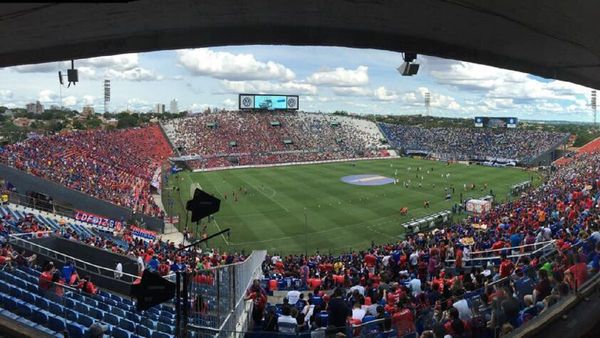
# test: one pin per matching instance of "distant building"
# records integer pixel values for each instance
(160, 109)
(22, 122)
(112, 122)
(174, 109)
(87, 111)
(35, 108)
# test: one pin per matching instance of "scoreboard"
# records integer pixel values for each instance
(268, 102)
(496, 122)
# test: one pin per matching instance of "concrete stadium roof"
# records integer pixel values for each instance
(551, 38)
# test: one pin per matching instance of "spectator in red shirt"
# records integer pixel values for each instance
(577, 273)
(506, 266)
(45, 280)
(403, 320)
(87, 286)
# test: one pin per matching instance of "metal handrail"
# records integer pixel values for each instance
(15, 239)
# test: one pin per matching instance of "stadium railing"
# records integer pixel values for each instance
(224, 296)
(20, 240)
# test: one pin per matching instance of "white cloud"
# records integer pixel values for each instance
(88, 100)
(39, 67)
(229, 103)
(383, 94)
(266, 87)
(352, 91)
(503, 84)
(47, 96)
(233, 67)
(6, 94)
(494, 103)
(134, 74)
(341, 77)
(119, 62)
(69, 101)
(86, 73)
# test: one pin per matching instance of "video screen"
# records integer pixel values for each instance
(269, 102)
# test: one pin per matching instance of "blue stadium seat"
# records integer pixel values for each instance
(98, 314)
(111, 319)
(10, 304)
(56, 324)
(29, 298)
(90, 302)
(76, 330)
(116, 298)
(119, 333)
(162, 327)
(40, 317)
(105, 307)
(24, 310)
(84, 320)
(82, 308)
(157, 334)
(71, 315)
(56, 309)
(149, 323)
(42, 303)
(134, 317)
(118, 312)
(127, 324)
(33, 288)
(16, 292)
(143, 331)
(69, 303)
(4, 288)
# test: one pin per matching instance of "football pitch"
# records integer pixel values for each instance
(290, 209)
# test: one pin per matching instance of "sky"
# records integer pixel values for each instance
(362, 81)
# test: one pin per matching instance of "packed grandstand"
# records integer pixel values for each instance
(459, 280)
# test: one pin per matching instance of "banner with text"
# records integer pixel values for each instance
(143, 233)
(98, 221)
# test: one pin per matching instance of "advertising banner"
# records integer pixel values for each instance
(98, 221)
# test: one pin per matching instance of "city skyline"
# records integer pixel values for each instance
(327, 79)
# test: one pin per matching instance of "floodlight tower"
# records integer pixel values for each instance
(428, 103)
(106, 95)
(593, 104)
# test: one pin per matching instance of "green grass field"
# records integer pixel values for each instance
(291, 209)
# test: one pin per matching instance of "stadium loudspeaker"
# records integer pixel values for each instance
(408, 69)
(152, 290)
(72, 75)
(202, 205)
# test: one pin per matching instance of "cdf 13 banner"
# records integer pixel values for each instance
(98, 221)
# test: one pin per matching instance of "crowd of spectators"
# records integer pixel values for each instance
(116, 166)
(482, 277)
(159, 256)
(473, 143)
(269, 137)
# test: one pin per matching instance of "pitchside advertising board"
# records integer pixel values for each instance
(496, 122)
(268, 102)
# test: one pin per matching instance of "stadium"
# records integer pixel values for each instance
(267, 217)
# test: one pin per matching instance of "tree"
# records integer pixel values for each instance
(93, 122)
(78, 125)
